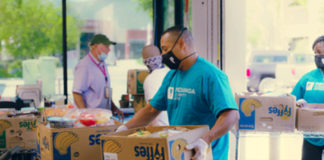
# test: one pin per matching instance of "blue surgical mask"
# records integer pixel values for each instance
(102, 56)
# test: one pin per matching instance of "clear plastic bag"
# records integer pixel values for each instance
(90, 117)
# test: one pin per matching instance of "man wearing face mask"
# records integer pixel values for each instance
(153, 60)
(309, 89)
(194, 92)
(91, 87)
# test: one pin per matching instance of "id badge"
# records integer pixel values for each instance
(107, 92)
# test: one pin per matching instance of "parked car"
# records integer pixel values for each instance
(280, 67)
(298, 64)
(263, 65)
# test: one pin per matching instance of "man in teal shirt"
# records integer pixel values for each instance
(194, 92)
(310, 88)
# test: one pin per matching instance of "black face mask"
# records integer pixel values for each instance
(319, 61)
(170, 59)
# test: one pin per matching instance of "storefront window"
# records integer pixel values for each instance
(281, 32)
(275, 38)
(31, 45)
(127, 22)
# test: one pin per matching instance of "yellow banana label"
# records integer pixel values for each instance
(178, 146)
(248, 105)
(63, 140)
(111, 146)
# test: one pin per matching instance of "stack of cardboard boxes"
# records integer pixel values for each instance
(135, 80)
(95, 142)
(121, 146)
(310, 118)
(260, 112)
(70, 143)
(18, 131)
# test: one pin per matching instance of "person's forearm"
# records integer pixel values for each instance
(143, 117)
(224, 123)
(78, 100)
(113, 106)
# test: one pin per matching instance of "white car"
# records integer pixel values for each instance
(277, 69)
(263, 65)
(287, 75)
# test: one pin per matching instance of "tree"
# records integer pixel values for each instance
(31, 28)
(146, 5)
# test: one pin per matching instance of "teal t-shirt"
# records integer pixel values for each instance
(311, 88)
(196, 97)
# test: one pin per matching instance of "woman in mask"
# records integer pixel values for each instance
(310, 89)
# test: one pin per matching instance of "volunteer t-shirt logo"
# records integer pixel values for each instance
(170, 92)
(172, 59)
(309, 86)
(319, 86)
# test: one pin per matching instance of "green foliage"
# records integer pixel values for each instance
(146, 5)
(4, 73)
(278, 6)
(298, 3)
(15, 68)
(254, 35)
(31, 28)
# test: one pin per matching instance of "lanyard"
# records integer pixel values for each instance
(103, 70)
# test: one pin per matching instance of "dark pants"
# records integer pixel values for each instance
(311, 152)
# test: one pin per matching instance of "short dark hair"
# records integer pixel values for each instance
(319, 39)
(174, 29)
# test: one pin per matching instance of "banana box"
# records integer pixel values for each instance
(18, 132)
(135, 80)
(261, 112)
(122, 146)
(70, 143)
(311, 118)
(138, 102)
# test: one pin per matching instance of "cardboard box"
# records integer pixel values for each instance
(311, 118)
(135, 80)
(266, 113)
(70, 143)
(119, 146)
(18, 132)
(138, 102)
